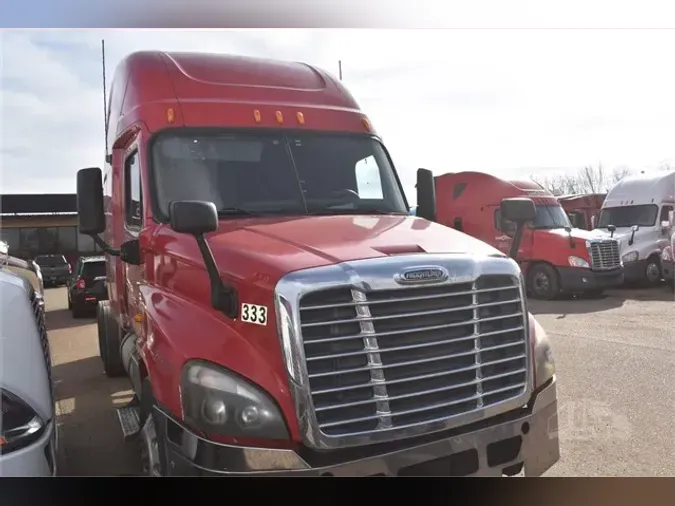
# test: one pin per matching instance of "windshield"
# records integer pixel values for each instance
(93, 269)
(627, 216)
(50, 260)
(550, 217)
(272, 173)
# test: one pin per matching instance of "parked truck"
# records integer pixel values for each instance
(274, 305)
(555, 257)
(583, 210)
(637, 208)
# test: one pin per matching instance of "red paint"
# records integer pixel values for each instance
(171, 286)
(583, 210)
(476, 206)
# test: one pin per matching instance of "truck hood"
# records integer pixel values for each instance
(261, 250)
(581, 234)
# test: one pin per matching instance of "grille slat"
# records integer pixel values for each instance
(372, 366)
(605, 255)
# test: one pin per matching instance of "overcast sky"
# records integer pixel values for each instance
(502, 101)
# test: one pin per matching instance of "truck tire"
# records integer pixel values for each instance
(152, 442)
(109, 340)
(653, 273)
(542, 282)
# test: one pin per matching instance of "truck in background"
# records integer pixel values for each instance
(274, 305)
(583, 210)
(554, 256)
(638, 209)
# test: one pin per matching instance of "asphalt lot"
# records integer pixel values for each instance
(615, 363)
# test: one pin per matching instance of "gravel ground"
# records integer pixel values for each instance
(615, 363)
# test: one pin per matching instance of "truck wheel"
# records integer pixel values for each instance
(542, 282)
(153, 451)
(653, 271)
(109, 340)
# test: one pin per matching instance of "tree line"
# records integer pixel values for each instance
(589, 179)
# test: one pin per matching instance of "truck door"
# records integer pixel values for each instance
(133, 222)
(501, 236)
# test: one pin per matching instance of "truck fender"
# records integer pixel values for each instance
(170, 342)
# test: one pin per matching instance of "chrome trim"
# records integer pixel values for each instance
(607, 252)
(363, 276)
(440, 275)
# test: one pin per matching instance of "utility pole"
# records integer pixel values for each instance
(340, 69)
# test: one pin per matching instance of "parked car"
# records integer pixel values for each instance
(27, 269)
(87, 285)
(55, 269)
(28, 434)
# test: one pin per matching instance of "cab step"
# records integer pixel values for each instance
(129, 417)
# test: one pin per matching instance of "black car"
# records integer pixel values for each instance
(87, 286)
(55, 269)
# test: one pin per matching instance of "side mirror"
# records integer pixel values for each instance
(90, 216)
(518, 210)
(193, 217)
(426, 195)
(130, 252)
(665, 226)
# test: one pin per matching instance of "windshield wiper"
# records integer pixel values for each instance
(329, 212)
(234, 211)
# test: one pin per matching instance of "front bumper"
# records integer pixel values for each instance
(526, 439)
(668, 270)
(635, 271)
(38, 459)
(575, 280)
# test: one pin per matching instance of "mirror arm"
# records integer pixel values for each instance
(515, 244)
(101, 244)
(219, 292)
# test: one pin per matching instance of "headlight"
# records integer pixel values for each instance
(20, 425)
(667, 254)
(542, 354)
(220, 402)
(631, 256)
(577, 262)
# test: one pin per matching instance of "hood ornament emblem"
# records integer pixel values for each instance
(422, 276)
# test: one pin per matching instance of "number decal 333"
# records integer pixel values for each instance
(250, 313)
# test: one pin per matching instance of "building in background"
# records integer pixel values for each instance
(42, 224)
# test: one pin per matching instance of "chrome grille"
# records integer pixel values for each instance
(605, 255)
(37, 303)
(405, 357)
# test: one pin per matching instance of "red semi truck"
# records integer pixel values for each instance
(554, 256)
(583, 210)
(274, 305)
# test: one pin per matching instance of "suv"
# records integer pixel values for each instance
(87, 286)
(28, 436)
(55, 269)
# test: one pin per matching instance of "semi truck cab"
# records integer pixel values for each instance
(638, 210)
(274, 305)
(554, 256)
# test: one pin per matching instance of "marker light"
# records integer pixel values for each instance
(170, 115)
(280, 117)
(366, 123)
(256, 116)
(301, 118)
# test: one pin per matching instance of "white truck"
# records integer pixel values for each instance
(28, 436)
(638, 212)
